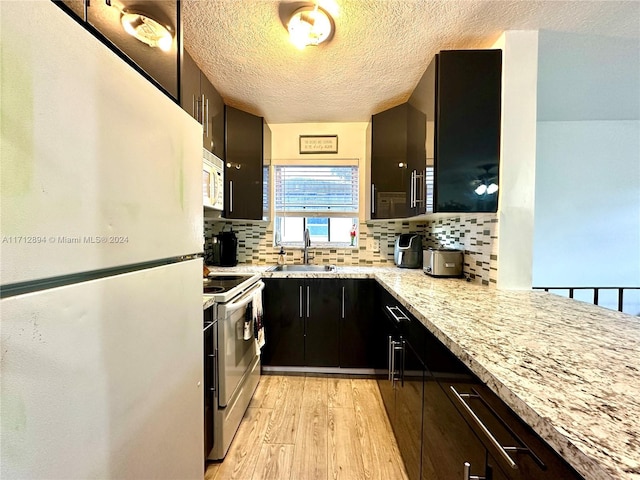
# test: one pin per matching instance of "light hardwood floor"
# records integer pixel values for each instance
(313, 428)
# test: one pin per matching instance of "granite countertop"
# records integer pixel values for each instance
(571, 370)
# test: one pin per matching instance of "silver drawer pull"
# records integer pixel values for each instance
(466, 475)
(482, 427)
(397, 314)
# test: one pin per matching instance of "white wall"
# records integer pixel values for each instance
(587, 215)
(587, 230)
(517, 158)
(352, 144)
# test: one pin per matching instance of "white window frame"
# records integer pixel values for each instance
(355, 215)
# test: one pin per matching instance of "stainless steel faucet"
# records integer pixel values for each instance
(307, 244)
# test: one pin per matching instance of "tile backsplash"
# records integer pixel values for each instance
(476, 234)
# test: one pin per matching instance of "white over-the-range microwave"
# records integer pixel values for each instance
(212, 181)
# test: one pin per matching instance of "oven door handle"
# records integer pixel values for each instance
(244, 299)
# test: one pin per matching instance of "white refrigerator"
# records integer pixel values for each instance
(100, 281)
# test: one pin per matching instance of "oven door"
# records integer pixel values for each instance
(234, 353)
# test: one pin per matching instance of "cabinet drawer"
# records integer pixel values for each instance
(516, 452)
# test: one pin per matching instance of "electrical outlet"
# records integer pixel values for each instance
(370, 244)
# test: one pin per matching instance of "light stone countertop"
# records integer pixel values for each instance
(571, 370)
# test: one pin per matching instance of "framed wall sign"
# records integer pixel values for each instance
(318, 144)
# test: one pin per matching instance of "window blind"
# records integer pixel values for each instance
(316, 190)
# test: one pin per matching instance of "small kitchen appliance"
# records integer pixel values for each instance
(225, 249)
(408, 250)
(212, 181)
(443, 262)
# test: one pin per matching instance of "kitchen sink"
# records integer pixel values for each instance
(304, 268)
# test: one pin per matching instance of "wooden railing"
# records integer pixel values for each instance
(596, 292)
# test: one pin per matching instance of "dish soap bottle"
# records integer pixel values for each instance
(281, 256)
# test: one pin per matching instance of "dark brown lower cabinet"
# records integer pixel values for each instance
(402, 384)
(283, 322)
(409, 398)
(318, 322)
(301, 320)
(448, 442)
(321, 309)
(518, 453)
(357, 349)
(441, 413)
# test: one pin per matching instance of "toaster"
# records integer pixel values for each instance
(443, 262)
(407, 252)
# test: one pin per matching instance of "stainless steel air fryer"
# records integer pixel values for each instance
(408, 251)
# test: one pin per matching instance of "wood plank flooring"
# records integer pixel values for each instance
(313, 428)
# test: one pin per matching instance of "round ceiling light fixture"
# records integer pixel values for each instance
(310, 25)
(147, 30)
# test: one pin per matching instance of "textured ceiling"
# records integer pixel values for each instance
(378, 53)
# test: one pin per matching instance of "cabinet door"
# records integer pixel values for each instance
(284, 324)
(322, 313)
(357, 324)
(448, 440)
(407, 424)
(213, 118)
(385, 333)
(416, 160)
(390, 175)
(467, 129)
(243, 156)
(190, 86)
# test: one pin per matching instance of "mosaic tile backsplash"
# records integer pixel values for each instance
(476, 234)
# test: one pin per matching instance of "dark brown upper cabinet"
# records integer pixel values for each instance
(247, 149)
(397, 162)
(460, 96)
(201, 100)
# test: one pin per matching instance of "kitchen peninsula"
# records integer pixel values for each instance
(568, 369)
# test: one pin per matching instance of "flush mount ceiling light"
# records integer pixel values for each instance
(310, 25)
(147, 30)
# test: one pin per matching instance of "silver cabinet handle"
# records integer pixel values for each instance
(389, 361)
(397, 314)
(412, 197)
(482, 427)
(202, 109)
(394, 348)
(307, 301)
(300, 301)
(207, 118)
(400, 347)
(521, 446)
(343, 303)
(421, 193)
(193, 107)
(373, 198)
(466, 474)
(393, 364)
(230, 196)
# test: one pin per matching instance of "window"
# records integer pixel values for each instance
(322, 198)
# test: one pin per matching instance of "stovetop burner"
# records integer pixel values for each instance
(226, 278)
(221, 283)
(213, 289)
